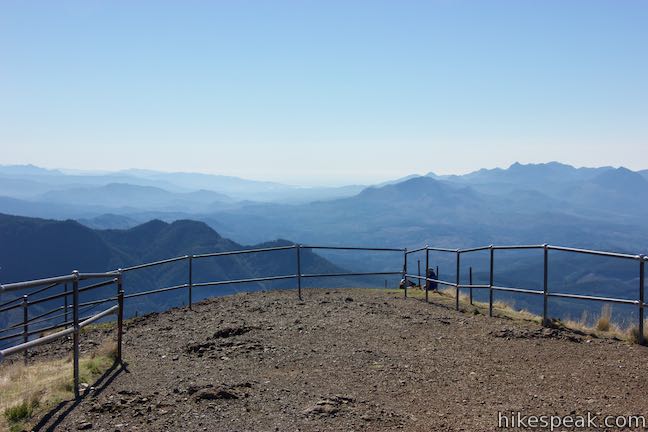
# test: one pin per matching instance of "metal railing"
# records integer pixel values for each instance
(21, 330)
(71, 327)
(491, 287)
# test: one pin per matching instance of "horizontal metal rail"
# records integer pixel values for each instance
(474, 249)
(7, 337)
(50, 327)
(416, 250)
(36, 282)
(322, 275)
(54, 281)
(9, 302)
(94, 302)
(595, 252)
(154, 263)
(45, 288)
(594, 298)
(110, 274)
(155, 291)
(97, 285)
(518, 290)
(87, 321)
(36, 319)
(477, 286)
(377, 249)
(49, 338)
(33, 319)
(8, 308)
(238, 281)
(517, 247)
(438, 249)
(244, 251)
(61, 324)
(69, 293)
(49, 298)
(44, 317)
(442, 282)
(34, 343)
(55, 326)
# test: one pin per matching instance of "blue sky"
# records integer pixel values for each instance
(323, 92)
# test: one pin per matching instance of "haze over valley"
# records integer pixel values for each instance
(600, 208)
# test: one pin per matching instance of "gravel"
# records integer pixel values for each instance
(351, 360)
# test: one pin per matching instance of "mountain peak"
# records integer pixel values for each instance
(150, 227)
(621, 179)
(410, 184)
(415, 190)
(540, 166)
(196, 227)
(27, 169)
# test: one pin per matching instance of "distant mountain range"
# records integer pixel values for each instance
(594, 207)
(600, 208)
(129, 197)
(604, 210)
(31, 183)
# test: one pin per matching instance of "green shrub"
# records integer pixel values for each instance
(22, 411)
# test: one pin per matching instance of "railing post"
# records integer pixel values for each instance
(642, 276)
(490, 281)
(458, 279)
(299, 273)
(120, 316)
(427, 272)
(66, 304)
(190, 281)
(25, 308)
(75, 335)
(545, 287)
(405, 272)
(418, 263)
(470, 281)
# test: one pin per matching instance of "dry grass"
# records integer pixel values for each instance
(603, 327)
(633, 332)
(52, 378)
(605, 319)
(26, 391)
(500, 307)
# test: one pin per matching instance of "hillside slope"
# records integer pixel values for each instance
(37, 248)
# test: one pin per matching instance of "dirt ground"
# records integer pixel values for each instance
(351, 360)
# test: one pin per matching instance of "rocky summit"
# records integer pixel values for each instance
(344, 360)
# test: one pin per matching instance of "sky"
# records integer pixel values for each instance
(323, 92)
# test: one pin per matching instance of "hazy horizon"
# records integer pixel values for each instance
(304, 183)
(323, 92)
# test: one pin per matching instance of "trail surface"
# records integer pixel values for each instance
(345, 360)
